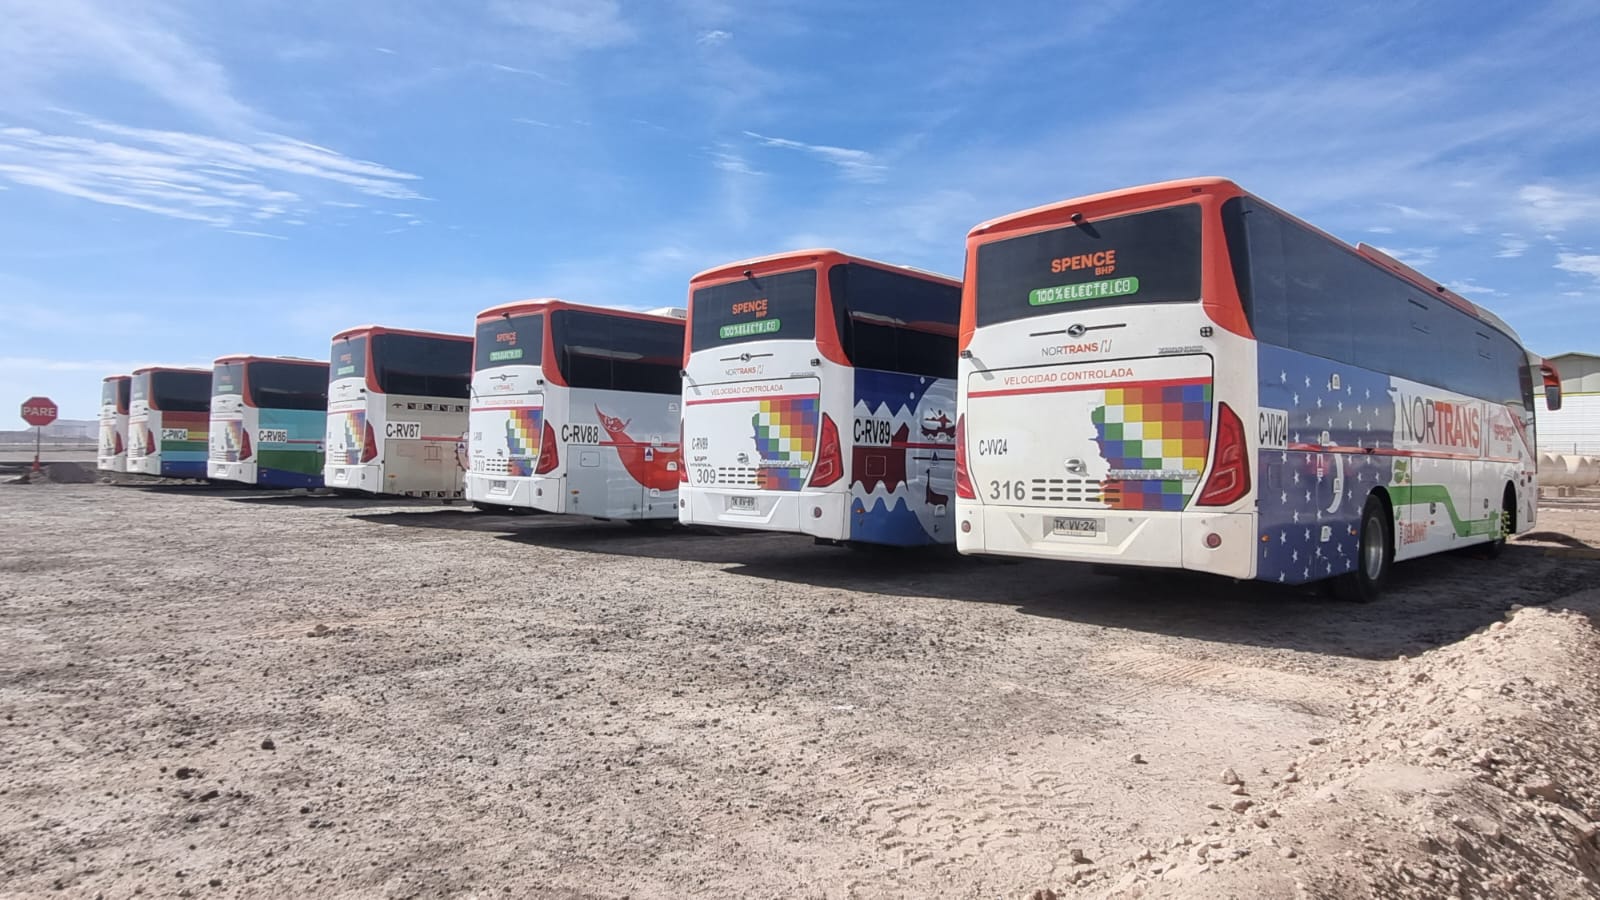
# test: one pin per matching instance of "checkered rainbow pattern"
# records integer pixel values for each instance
(786, 429)
(1161, 427)
(354, 426)
(523, 426)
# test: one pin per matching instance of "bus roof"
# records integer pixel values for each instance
(116, 377)
(546, 304)
(384, 329)
(185, 369)
(247, 358)
(1164, 192)
(777, 262)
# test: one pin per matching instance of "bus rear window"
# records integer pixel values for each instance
(618, 353)
(109, 392)
(180, 391)
(227, 378)
(1147, 257)
(139, 388)
(509, 341)
(348, 359)
(277, 385)
(124, 385)
(421, 366)
(772, 307)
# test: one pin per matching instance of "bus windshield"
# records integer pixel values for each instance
(1145, 257)
(280, 385)
(618, 353)
(348, 359)
(509, 341)
(180, 391)
(423, 366)
(775, 307)
(227, 378)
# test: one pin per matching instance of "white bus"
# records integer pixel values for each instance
(397, 412)
(268, 415)
(1183, 376)
(819, 398)
(168, 418)
(575, 410)
(114, 391)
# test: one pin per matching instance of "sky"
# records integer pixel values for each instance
(183, 179)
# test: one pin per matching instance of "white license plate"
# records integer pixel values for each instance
(1076, 527)
(498, 486)
(743, 504)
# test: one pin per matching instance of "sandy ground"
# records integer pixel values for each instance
(222, 693)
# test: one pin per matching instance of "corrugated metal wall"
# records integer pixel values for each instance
(1572, 429)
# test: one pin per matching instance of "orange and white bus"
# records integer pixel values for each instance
(397, 411)
(114, 391)
(819, 398)
(1184, 376)
(575, 410)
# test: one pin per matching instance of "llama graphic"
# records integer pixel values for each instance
(934, 499)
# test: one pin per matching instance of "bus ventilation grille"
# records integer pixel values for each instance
(738, 476)
(491, 466)
(1071, 490)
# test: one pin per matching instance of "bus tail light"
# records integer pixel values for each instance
(683, 470)
(548, 457)
(117, 447)
(244, 444)
(369, 443)
(149, 440)
(964, 489)
(830, 459)
(1230, 474)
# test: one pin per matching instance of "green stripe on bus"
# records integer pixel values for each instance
(304, 462)
(1416, 495)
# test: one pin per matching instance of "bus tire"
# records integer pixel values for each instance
(1374, 556)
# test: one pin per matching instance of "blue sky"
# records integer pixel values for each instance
(181, 179)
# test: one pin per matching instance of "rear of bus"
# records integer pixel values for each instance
(397, 412)
(113, 453)
(269, 415)
(1106, 375)
(168, 420)
(763, 402)
(512, 453)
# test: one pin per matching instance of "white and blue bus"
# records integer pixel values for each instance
(1183, 376)
(819, 398)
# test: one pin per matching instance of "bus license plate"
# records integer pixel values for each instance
(498, 486)
(742, 504)
(1076, 527)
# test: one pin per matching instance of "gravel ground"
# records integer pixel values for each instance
(212, 692)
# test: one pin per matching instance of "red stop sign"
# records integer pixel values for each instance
(39, 411)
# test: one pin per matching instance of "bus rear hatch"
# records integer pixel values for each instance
(1119, 434)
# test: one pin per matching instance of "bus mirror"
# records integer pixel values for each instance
(1552, 387)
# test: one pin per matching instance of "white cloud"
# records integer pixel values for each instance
(259, 234)
(728, 160)
(1469, 288)
(1381, 229)
(714, 38)
(857, 165)
(1554, 209)
(1511, 247)
(575, 24)
(190, 176)
(1413, 256)
(138, 44)
(1580, 264)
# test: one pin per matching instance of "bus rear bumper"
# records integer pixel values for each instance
(1171, 540)
(822, 514)
(231, 471)
(359, 477)
(526, 492)
(112, 463)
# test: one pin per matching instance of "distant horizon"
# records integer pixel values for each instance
(184, 180)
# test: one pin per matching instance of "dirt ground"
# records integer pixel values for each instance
(215, 692)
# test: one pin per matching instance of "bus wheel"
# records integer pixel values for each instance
(1374, 557)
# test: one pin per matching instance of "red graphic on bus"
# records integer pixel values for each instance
(650, 465)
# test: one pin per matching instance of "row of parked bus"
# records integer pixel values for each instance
(1087, 393)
